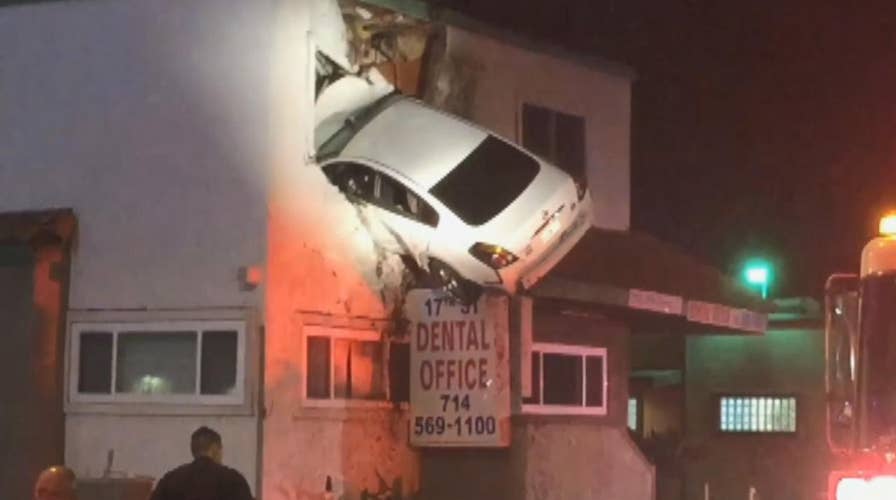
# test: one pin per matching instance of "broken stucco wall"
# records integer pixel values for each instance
(314, 274)
(450, 78)
(323, 268)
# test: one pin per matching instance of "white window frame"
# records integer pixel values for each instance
(332, 333)
(570, 350)
(237, 398)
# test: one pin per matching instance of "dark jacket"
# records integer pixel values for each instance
(202, 479)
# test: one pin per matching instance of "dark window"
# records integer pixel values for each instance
(594, 375)
(486, 181)
(399, 372)
(345, 368)
(877, 349)
(172, 361)
(354, 180)
(358, 369)
(156, 363)
(562, 379)
(95, 363)
(535, 398)
(394, 196)
(538, 131)
(219, 351)
(556, 137)
(567, 379)
(318, 354)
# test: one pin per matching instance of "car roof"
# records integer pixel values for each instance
(415, 140)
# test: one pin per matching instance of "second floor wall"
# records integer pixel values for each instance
(573, 111)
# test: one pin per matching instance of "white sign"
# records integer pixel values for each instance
(460, 370)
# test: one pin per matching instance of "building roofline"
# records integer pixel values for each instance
(458, 20)
(796, 310)
(426, 12)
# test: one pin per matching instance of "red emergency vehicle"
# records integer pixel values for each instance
(860, 339)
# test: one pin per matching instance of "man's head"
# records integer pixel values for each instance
(206, 442)
(55, 483)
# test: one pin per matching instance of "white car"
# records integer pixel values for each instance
(469, 207)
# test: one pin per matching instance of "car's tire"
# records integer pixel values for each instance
(462, 289)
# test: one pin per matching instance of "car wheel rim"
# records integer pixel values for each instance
(449, 281)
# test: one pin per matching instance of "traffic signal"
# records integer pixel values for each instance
(758, 274)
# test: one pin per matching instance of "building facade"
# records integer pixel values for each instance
(175, 257)
(762, 401)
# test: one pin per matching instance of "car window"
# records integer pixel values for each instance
(352, 179)
(394, 196)
(486, 181)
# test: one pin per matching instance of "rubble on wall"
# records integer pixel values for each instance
(450, 78)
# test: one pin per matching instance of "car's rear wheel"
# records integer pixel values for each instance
(462, 289)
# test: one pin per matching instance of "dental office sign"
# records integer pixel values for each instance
(460, 371)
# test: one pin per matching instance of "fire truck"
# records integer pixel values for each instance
(860, 373)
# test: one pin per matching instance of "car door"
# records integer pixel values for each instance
(397, 219)
(406, 217)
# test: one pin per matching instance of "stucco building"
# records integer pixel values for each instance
(172, 255)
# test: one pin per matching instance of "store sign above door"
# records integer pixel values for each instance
(460, 371)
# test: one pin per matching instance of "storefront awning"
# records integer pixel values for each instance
(642, 274)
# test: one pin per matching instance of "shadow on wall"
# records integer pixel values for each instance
(666, 451)
(774, 469)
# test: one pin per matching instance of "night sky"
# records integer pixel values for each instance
(759, 128)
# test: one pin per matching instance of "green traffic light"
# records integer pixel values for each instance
(758, 273)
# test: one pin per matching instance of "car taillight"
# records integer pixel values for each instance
(871, 488)
(581, 189)
(493, 255)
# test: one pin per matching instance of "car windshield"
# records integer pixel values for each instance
(352, 124)
(486, 181)
(878, 351)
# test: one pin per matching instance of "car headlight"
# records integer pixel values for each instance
(493, 255)
(873, 488)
